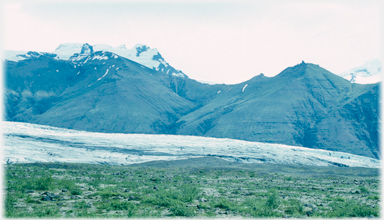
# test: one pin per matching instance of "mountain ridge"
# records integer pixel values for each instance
(101, 91)
(140, 53)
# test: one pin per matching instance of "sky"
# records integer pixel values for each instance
(222, 42)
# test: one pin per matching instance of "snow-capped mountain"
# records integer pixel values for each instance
(369, 72)
(21, 55)
(65, 51)
(26, 142)
(142, 54)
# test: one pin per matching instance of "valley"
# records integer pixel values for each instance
(116, 90)
(110, 132)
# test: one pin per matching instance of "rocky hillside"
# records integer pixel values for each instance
(102, 91)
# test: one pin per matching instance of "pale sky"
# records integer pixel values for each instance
(213, 41)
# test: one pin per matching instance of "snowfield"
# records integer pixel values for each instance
(368, 73)
(26, 143)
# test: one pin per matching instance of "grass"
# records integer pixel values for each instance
(192, 188)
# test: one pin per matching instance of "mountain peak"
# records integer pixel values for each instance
(140, 48)
(86, 49)
(301, 69)
(69, 46)
(122, 47)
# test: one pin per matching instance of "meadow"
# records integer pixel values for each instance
(199, 187)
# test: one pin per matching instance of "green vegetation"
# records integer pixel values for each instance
(190, 189)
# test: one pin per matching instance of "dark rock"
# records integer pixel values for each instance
(64, 190)
(47, 198)
(29, 191)
(131, 197)
(309, 213)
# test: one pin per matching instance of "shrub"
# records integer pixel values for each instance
(339, 199)
(82, 205)
(9, 202)
(363, 189)
(121, 205)
(189, 193)
(374, 197)
(67, 184)
(295, 206)
(76, 191)
(223, 203)
(350, 208)
(43, 183)
(182, 210)
(107, 192)
(46, 212)
(273, 199)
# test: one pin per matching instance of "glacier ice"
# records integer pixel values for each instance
(26, 142)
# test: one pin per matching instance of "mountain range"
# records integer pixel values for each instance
(115, 90)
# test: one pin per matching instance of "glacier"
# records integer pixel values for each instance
(368, 73)
(26, 143)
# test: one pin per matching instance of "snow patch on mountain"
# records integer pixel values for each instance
(369, 72)
(78, 52)
(103, 75)
(86, 53)
(22, 55)
(65, 51)
(14, 55)
(26, 142)
(140, 53)
(97, 57)
(244, 87)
